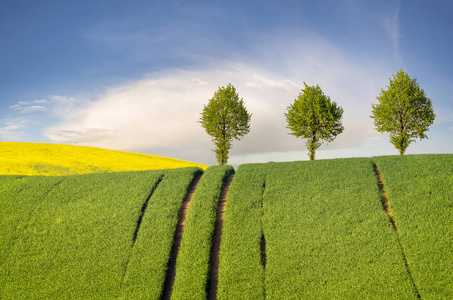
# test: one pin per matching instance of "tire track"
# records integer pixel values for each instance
(142, 212)
(137, 227)
(384, 197)
(171, 266)
(386, 206)
(263, 250)
(217, 238)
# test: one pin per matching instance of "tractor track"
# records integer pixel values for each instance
(171, 266)
(386, 206)
(214, 261)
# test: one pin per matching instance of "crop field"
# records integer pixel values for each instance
(327, 229)
(58, 159)
(327, 235)
(420, 190)
(156, 237)
(79, 236)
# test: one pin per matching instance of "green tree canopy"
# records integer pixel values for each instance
(225, 118)
(403, 111)
(314, 117)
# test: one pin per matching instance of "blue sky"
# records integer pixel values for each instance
(134, 75)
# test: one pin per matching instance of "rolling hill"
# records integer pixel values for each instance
(360, 228)
(58, 159)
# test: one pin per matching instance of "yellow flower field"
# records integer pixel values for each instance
(58, 159)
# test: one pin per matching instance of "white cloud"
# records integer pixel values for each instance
(25, 107)
(41, 101)
(159, 114)
(13, 129)
(59, 104)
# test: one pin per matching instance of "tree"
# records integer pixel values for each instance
(404, 111)
(314, 117)
(225, 118)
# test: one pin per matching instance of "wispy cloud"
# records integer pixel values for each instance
(26, 117)
(391, 25)
(55, 103)
(26, 107)
(13, 129)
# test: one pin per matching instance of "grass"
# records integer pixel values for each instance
(57, 159)
(310, 230)
(192, 267)
(420, 191)
(241, 273)
(327, 235)
(74, 235)
(71, 235)
(18, 199)
(146, 270)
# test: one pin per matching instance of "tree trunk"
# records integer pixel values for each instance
(312, 147)
(402, 149)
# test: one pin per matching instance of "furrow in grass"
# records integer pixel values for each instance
(241, 273)
(182, 216)
(406, 263)
(217, 239)
(327, 236)
(420, 188)
(263, 239)
(387, 208)
(146, 273)
(77, 242)
(192, 265)
(142, 212)
(263, 251)
(384, 197)
(139, 221)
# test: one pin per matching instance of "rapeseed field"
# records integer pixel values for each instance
(58, 159)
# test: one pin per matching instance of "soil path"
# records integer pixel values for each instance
(171, 267)
(215, 251)
(386, 205)
(384, 197)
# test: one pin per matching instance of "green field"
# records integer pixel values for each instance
(420, 189)
(300, 230)
(75, 235)
(332, 240)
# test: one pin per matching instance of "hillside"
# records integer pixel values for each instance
(364, 228)
(58, 159)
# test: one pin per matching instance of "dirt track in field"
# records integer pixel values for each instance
(215, 251)
(171, 267)
(386, 206)
(384, 197)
